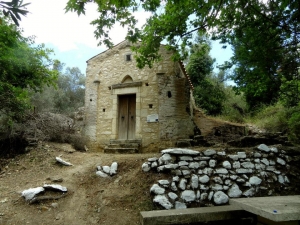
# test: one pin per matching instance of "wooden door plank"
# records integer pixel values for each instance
(131, 116)
(123, 117)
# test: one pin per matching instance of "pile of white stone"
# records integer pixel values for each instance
(106, 171)
(211, 177)
(32, 193)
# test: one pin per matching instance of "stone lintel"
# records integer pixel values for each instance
(125, 85)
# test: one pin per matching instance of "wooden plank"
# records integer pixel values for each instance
(125, 85)
(123, 117)
(131, 116)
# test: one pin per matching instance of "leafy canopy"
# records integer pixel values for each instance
(22, 66)
(14, 9)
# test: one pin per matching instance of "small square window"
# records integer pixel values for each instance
(128, 57)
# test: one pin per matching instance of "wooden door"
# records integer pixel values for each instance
(127, 107)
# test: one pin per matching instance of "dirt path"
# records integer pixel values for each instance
(90, 199)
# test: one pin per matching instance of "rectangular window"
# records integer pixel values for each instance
(128, 57)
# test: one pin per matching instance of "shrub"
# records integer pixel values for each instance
(294, 125)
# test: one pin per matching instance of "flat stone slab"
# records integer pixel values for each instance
(275, 208)
(192, 215)
(180, 151)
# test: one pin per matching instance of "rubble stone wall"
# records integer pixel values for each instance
(212, 177)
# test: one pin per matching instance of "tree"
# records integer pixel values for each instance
(68, 95)
(178, 20)
(22, 66)
(14, 9)
(208, 92)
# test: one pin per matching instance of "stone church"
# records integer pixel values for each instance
(136, 110)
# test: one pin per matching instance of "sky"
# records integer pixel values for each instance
(72, 37)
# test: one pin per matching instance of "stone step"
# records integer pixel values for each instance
(137, 141)
(120, 150)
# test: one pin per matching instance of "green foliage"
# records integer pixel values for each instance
(294, 125)
(14, 9)
(234, 106)
(273, 118)
(21, 66)
(208, 91)
(68, 95)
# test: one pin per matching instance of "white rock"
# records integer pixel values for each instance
(228, 182)
(188, 196)
(163, 201)
(249, 193)
(185, 158)
(202, 158)
(274, 149)
(241, 155)
(257, 155)
(281, 179)
(204, 179)
(209, 152)
(272, 163)
(234, 191)
(225, 188)
(180, 151)
(218, 180)
(183, 163)
(280, 161)
(222, 153)
(58, 159)
(212, 163)
(156, 189)
(165, 159)
(182, 184)
(210, 195)
(32, 192)
(233, 177)
(286, 179)
(265, 161)
(226, 165)
(217, 187)
(161, 168)
(220, 198)
(198, 194)
(171, 166)
(113, 168)
(172, 196)
(208, 171)
(164, 183)
(263, 147)
(203, 187)
(234, 157)
(98, 168)
(194, 181)
(186, 172)
(173, 186)
(247, 184)
(247, 165)
(180, 205)
(175, 179)
(152, 159)
(106, 169)
(236, 165)
(202, 164)
(221, 171)
(270, 168)
(146, 167)
(55, 187)
(154, 164)
(255, 180)
(203, 196)
(101, 174)
(241, 170)
(194, 165)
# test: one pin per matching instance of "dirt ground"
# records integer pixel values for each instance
(90, 199)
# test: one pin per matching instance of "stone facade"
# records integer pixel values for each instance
(163, 112)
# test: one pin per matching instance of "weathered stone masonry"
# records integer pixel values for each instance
(162, 91)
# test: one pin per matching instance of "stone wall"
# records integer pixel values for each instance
(160, 90)
(212, 177)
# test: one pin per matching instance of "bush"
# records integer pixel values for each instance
(78, 142)
(273, 118)
(294, 125)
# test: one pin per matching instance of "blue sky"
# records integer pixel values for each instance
(72, 37)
